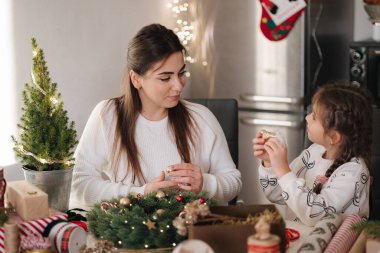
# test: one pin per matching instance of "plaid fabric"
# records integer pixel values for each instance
(65, 239)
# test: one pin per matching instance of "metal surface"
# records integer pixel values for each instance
(56, 183)
(235, 60)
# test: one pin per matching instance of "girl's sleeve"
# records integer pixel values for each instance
(341, 191)
(92, 155)
(269, 182)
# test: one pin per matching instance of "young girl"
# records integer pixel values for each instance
(332, 175)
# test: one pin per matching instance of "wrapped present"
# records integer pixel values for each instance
(30, 202)
(345, 236)
(372, 246)
(231, 235)
(30, 227)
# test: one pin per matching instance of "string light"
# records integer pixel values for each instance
(184, 28)
(21, 149)
(52, 99)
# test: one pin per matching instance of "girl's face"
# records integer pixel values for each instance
(161, 86)
(315, 130)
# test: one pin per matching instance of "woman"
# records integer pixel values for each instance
(130, 140)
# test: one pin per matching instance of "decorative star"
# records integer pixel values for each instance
(150, 224)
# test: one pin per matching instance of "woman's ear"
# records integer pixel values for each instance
(135, 78)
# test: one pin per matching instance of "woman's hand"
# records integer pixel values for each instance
(259, 150)
(158, 183)
(188, 176)
(278, 155)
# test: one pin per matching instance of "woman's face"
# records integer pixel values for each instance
(160, 88)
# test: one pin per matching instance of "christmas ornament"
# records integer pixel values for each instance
(202, 200)
(159, 211)
(272, 22)
(104, 206)
(263, 240)
(160, 194)
(125, 201)
(150, 224)
(179, 198)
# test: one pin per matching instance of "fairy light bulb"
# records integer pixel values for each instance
(54, 100)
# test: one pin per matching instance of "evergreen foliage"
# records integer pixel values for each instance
(126, 225)
(47, 137)
(370, 227)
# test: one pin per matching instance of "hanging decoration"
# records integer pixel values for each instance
(279, 16)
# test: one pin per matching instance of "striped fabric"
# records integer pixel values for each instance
(345, 236)
(31, 227)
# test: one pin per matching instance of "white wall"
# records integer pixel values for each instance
(85, 46)
(362, 25)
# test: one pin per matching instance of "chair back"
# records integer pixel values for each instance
(226, 112)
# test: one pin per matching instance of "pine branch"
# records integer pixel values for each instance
(127, 226)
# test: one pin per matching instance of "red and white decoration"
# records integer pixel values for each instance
(32, 227)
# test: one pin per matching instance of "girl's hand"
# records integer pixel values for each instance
(158, 183)
(278, 155)
(188, 176)
(259, 150)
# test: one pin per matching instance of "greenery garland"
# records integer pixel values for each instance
(371, 228)
(142, 222)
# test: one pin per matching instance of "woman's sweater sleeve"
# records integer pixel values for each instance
(89, 183)
(223, 181)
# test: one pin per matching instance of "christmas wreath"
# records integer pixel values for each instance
(142, 222)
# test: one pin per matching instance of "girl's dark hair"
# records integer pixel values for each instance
(348, 110)
(152, 44)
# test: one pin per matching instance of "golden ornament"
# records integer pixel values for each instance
(160, 194)
(150, 224)
(159, 211)
(124, 201)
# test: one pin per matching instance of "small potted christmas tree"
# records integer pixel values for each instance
(47, 138)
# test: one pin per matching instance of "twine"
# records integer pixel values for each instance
(12, 238)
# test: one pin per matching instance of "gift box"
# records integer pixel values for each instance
(233, 237)
(30, 202)
(33, 227)
(372, 246)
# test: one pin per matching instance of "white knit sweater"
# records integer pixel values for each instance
(346, 191)
(95, 180)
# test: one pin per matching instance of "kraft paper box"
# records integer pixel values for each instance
(233, 238)
(30, 202)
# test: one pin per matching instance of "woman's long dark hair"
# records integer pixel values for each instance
(153, 43)
(348, 110)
